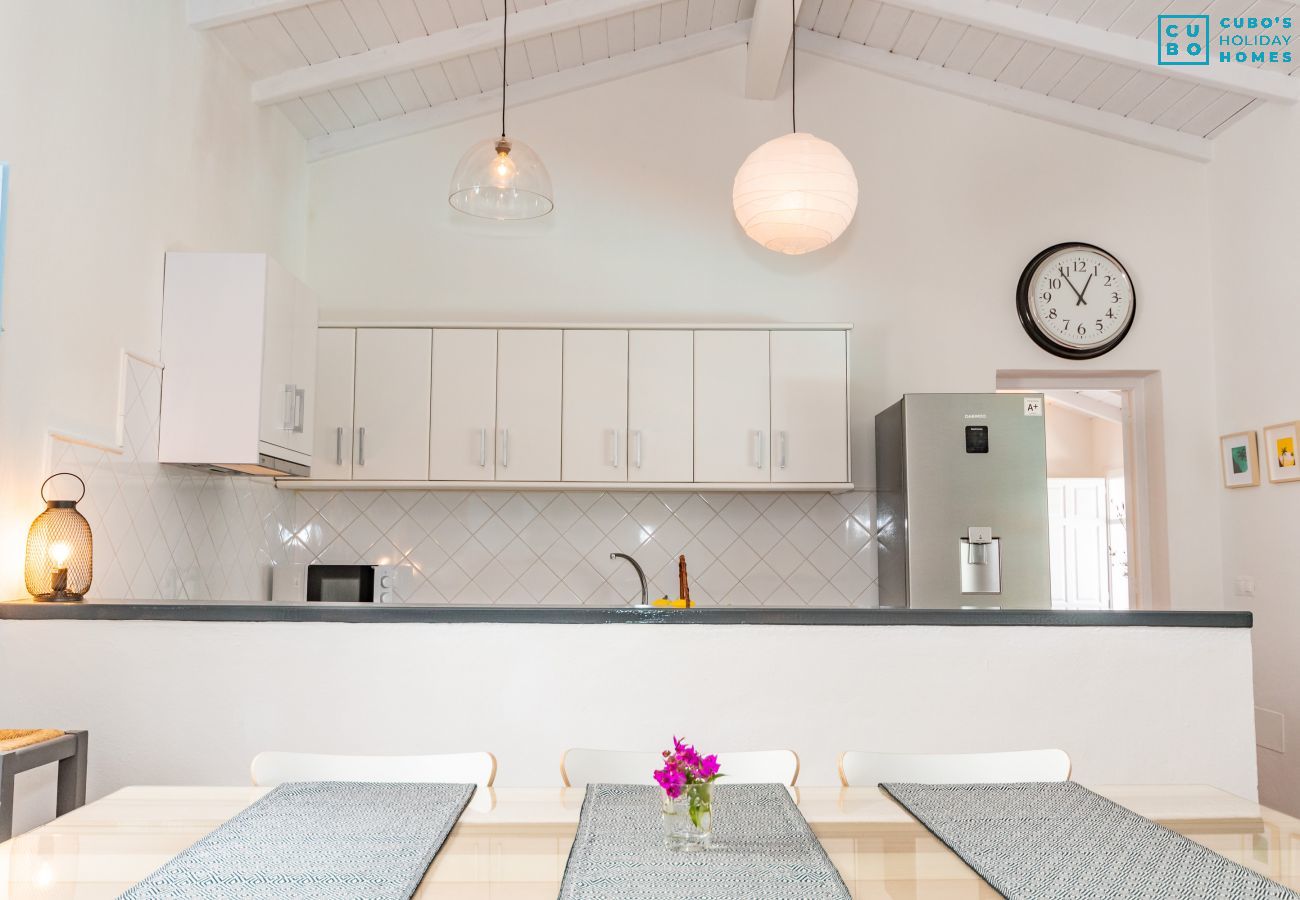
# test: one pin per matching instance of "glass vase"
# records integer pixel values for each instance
(688, 819)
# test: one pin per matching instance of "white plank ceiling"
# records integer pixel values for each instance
(349, 73)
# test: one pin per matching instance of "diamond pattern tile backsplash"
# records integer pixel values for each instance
(742, 549)
(167, 532)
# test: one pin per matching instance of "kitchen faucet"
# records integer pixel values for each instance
(640, 573)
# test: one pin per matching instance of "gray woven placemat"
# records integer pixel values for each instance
(1060, 841)
(324, 840)
(762, 848)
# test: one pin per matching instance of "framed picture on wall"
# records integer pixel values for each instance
(1240, 457)
(1280, 447)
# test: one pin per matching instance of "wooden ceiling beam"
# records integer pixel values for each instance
(530, 91)
(769, 47)
(1064, 34)
(436, 48)
(995, 93)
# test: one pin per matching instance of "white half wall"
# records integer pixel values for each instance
(956, 197)
(192, 702)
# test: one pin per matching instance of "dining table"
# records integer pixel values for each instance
(512, 843)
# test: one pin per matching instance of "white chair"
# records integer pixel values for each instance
(870, 769)
(273, 768)
(580, 767)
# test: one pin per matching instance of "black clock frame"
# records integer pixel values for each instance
(1024, 290)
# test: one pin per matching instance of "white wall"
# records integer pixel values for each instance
(1256, 199)
(1080, 445)
(527, 692)
(128, 134)
(956, 197)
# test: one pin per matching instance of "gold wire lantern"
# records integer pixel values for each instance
(59, 549)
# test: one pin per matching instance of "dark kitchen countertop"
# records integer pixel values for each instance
(202, 611)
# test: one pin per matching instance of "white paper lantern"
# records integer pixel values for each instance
(795, 194)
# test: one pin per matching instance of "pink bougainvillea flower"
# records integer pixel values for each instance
(672, 781)
(708, 766)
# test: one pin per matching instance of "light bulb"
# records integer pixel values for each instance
(59, 553)
(503, 170)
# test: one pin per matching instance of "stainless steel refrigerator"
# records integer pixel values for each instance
(961, 515)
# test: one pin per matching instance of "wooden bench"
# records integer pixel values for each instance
(21, 751)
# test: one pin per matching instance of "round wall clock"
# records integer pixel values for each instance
(1076, 300)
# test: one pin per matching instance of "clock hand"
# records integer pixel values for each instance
(1082, 292)
(1072, 287)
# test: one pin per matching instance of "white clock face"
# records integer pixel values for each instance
(1081, 298)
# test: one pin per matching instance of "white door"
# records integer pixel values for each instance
(1079, 563)
(335, 369)
(595, 406)
(660, 445)
(302, 437)
(278, 389)
(529, 379)
(810, 406)
(392, 404)
(732, 409)
(463, 412)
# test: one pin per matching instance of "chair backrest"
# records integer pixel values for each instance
(273, 767)
(581, 767)
(870, 769)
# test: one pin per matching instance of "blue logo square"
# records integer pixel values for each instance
(1183, 40)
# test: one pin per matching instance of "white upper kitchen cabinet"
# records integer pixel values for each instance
(595, 405)
(462, 435)
(660, 388)
(391, 408)
(336, 362)
(732, 406)
(810, 406)
(239, 358)
(529, 390)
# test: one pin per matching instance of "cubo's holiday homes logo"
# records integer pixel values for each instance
(1186, 40)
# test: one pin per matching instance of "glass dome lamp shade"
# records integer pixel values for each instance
(501, 179)
(795, 194)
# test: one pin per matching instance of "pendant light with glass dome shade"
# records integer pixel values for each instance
(797, 193)
(501, 178)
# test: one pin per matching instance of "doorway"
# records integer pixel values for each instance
(1087, 507)
(1105, 500)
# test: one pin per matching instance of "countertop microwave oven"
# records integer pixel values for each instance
(336, 584)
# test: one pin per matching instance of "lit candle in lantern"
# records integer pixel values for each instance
(59, 553)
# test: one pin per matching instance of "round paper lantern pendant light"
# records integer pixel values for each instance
(797, 193)
(500, 178)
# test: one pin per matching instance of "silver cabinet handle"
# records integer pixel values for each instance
(758, 449)
(300, 410)
(505, 448)
(361, 446)
(781, 442)
(287, 412)
(613, 459)
(636, 452)
(482, 448)
(338, 446)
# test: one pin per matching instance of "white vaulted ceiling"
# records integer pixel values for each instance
(349, 73)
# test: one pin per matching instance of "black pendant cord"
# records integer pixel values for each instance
(794, 62)
(505, 48)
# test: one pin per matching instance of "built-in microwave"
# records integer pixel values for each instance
(351, 584)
